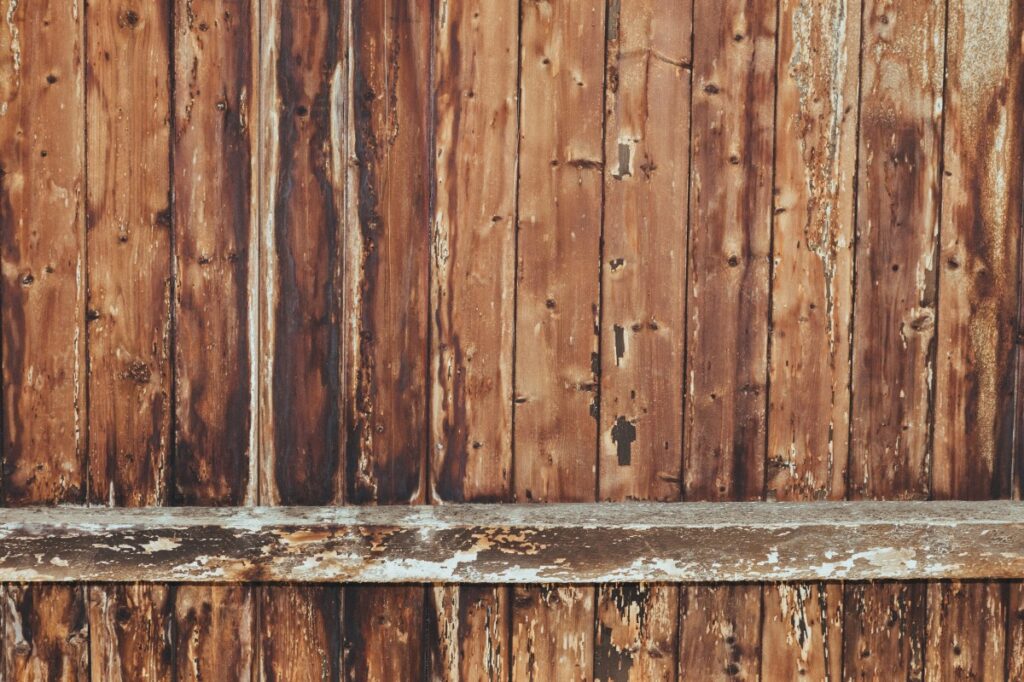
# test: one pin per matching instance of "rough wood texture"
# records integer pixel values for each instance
(719, 640)
(386, 299)
(802, 632)
(214, 223)
(215, 632)
(131, 633)
(472, 307)
(300, 633)
(561, 165)
(679, 542)
(43, 289)
(966, 631)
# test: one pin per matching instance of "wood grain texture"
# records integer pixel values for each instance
(303, 88)
(812, 280)
(719, 638)
(557, 359)
(131, 632)
(727, 307)
(129, 251)
(802, 635)
(215, 73)
(1015, 630)
(473, 249)
(730, 231)
(387, 298)
(43, 290)
(982, 194)
(560, 163)
(647, 106)
(647, 103)
(215, 633)
(966, 631)
(472, 308)
(895, 306)
(897, 226)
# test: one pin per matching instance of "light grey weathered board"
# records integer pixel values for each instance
(550, 543)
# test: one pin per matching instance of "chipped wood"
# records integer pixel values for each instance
(676, 542)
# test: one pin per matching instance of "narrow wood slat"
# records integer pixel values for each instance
(557, 316)
(812, 298)
(43, 290)
(303, 92)
(647, 103)
(898, 180)
(128, 78)
(727, 302)
(676, 542)
(472, 308)
(214, 149)
(386, 303)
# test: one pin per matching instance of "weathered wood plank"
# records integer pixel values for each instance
(472, 303)
(215, 221)
(131, 633)
(129, 312)
(727, 291)
(647, 102)
(672, 542)
(557, 317)
(895, 307)
(303, 88)
(966, 631)
(386, 308)
(215, 189)
(43, 290)
(812, 298)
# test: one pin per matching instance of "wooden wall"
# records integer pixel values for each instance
(402, 252)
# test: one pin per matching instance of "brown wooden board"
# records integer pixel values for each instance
(303, 93)
(472, 308)
(42, 312)
(386, 305)
(647, 104)
(214, 214)
(557, 361)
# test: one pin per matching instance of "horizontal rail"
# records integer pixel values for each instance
(552, 543)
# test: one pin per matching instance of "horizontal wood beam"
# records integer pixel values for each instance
(552, 543)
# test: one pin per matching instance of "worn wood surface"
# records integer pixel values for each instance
(677, 542)
(312, 252)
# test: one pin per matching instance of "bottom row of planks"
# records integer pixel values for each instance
(891, 631)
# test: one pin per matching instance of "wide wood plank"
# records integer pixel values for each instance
(43, 290)
(214, 151)
(557, 316)
(131, 636)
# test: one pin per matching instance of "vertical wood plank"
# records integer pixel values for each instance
(129, 318)
(131, 631)
(980, 238)
(1015, 630)
(895, 307)
(966, 631)
(730, 231)
(472, 308)
(43, 289)
(386, 299)
(812, 297)
(303, 80)
(982, 187)
(727, 320)
(560, 162)
(647, 105)
(719, 632)
(214, 151)
(557, 317)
